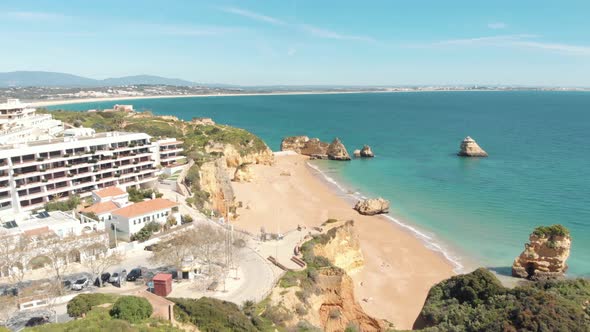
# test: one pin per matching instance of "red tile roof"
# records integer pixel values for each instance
(38, 231)
(162, 277)
(101, 207)
(145, 207)
(109, 192)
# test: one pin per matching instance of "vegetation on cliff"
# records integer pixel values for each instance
(550, 231)
(478, 302)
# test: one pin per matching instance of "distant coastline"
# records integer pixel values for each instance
(56, 102)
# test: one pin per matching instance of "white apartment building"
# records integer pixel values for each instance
(33, 173)
(130, 219)
(20, 123)
(169, 151)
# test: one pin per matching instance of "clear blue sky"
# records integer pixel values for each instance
(387, 42)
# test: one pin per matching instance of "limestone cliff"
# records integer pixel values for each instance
(545, 254)
(214, 179)
(343, 249)
(470, 148)
(243, 173)
(323, 293)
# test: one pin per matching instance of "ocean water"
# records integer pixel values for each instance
(478, 211)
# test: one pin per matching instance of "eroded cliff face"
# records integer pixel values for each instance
(343, 250)
(324, 296)
(337, 305)
(214, 179)
(234, 158)
(544, 256)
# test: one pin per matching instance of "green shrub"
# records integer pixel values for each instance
(146, 231)
(132, 309)
(63, 205)
(186, 218)
(81, 304)
(214, 315)
(550, 231)
(478, 302)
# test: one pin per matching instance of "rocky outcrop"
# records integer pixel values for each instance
(214, 179)
(243, 173)
(337, 150)
(337, 305)
(304, 145)
(545, 255)
(356, 153)
(366, 152)
(372, 206)
(470, 148)
(343, 249)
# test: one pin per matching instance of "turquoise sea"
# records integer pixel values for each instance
(480, 211)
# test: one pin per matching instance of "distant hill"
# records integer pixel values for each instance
(52, 79)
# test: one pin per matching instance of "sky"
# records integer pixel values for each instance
(297, 42)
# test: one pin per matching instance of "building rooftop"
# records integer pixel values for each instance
(110, 192)
(70, 139)
(38, 231)
(145, 207)
(101, 207)
(162, 277)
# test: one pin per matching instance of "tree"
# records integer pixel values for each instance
(57, 250)
(13, 253)
(132, 309)
(98, 260)
(175, 250)
(208, 243)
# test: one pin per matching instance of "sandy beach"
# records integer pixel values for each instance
(399, 270)
(44, 103)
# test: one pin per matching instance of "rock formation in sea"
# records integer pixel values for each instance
(470, 148)
(366, 152)
(305, 146)
(372, 206)
(337, 150)
(243, 173)
(356, 153)
(545, 255)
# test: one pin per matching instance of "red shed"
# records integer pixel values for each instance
(162, 284)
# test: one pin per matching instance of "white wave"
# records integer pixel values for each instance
(429, 241)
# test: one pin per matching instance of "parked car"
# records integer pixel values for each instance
(104, 278)
(80, 284)
(36, 321)
(117, 276)
(134, 274)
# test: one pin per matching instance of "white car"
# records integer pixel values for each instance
(80, 284)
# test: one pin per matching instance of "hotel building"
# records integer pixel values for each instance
(20, 123)
(33, 173)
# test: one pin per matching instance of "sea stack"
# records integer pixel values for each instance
(356, 153)
(544, 255)
(470, 148)
(372, 206)
(337, 150)
(366, 152)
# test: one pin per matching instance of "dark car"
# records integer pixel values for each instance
(36, 321)
(134, 274)
(105, 279)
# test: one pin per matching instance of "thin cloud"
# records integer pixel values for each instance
(497, 25)
(483, 40)
(33, 16)
(324, 33)
(513, 41)
(307, 28)
(253, 15)
(561, 48)
(184, 30)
